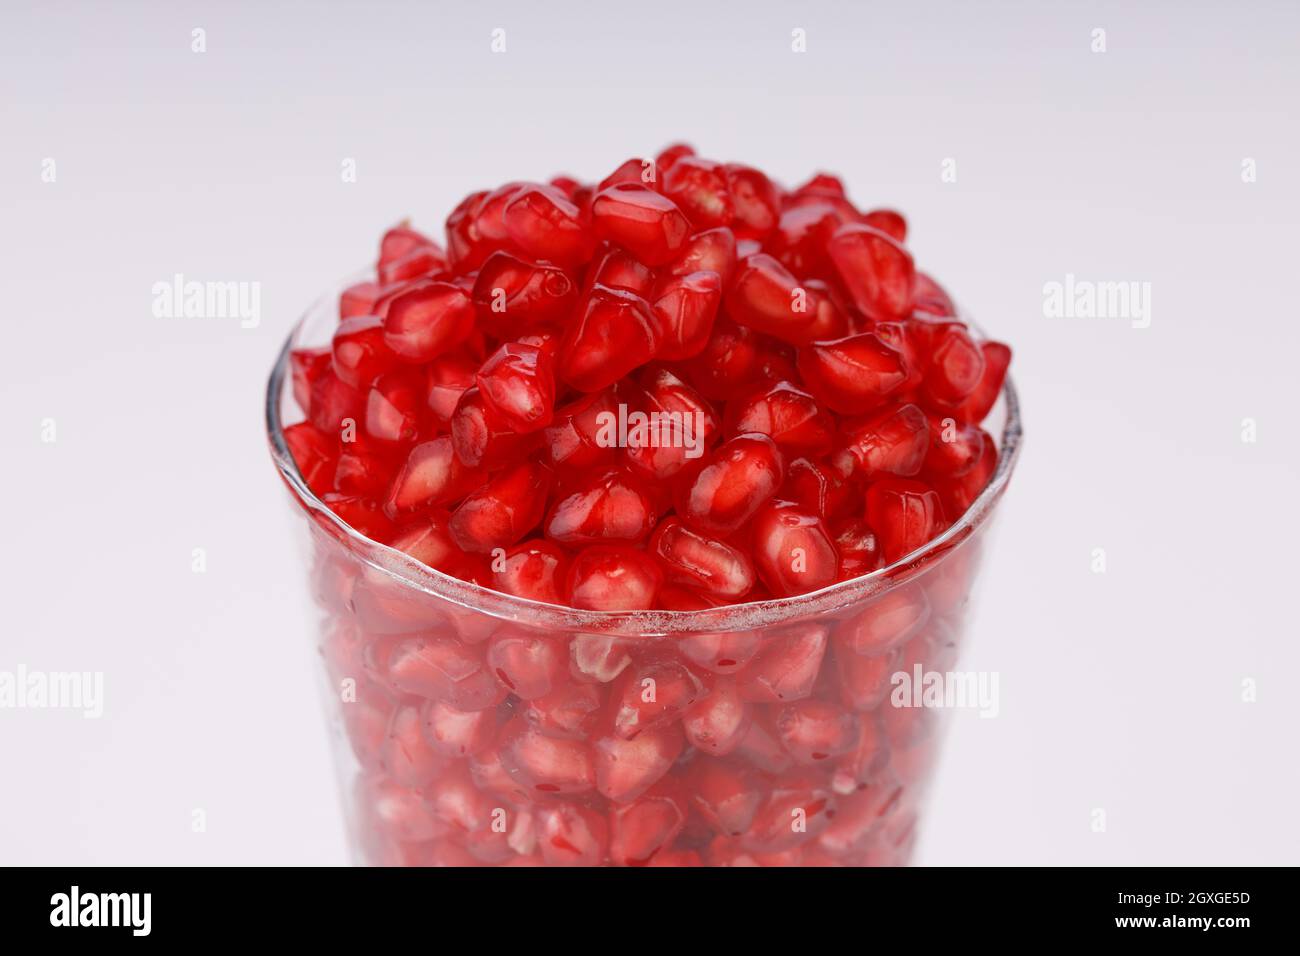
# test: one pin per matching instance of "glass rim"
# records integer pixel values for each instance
(728, 617)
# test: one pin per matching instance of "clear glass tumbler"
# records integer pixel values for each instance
(756, 734)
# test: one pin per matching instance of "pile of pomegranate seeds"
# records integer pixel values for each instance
(681, 387)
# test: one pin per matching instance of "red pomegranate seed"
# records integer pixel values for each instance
(504, 510)
(867, 756)
(860, 817)
(518, 383)
(724, 490)
(625, 769)
(755, 200)
(889, 222)
(528, 663)
(635, 171)
(426, 260)
(957, 494)
(643, 829)
(717, 723)
(548, 765)
(406, 756)
(598, 658)
(358, 299)
(665, 160)
(615, 268)
(797, 810)
(512, 294)
(724, 652)
(394, 406)
(446, 379)
(398, 811)
(713, 250)
(441, 669)
(858, 548)
(684, 310)
(651, 695)
(313, 453)
(956, 365)
(542, 222)
(853, 375)
(931, 298)
(359, 512)
(730, 360)
(765, 296)
(725, 793)
(432, 475)
(609, 577)
(571, 710)
(762, 749)
(792, 551)
(360, 355)
(363, 467)
(681, 425)
(877, 271)
(306, 367)
(817, 489)
(458, 733)
(535, 569)
(954, 448)
(642, 221)
(427, 321)
(786, 667)
(894, 441)
(572, 835)
(787, 414)
(609, 506)
(802, 234)
(427, 539)
(814, 730)
(905, 514)
(573, 440)
(699, 188)
(865, 681)
(980, 401)
(481, 437)
(613, 332)
(700, 562)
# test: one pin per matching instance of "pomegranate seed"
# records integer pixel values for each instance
(363, 468)
(642, 221)
(313, 453)
(931, 298)
(358, 299)
(571, 710)
(359, 512)
(710, 565)
(797, 810)
(441, 669)
(814, 730)
(730, 360)
(792, 551)
(765, 296)
(432, 475)
(980, 401)
(529, 664)
(866, 757)
(504, 510)
(722, 653)
(393, 407)
(642, 829)
(511, 294)
(651, 695)
(786, 667)
(957, 494)
(481, 437)
(787, 414)
(398, 810)
(458, 733)
(889, 222)
(359, 352)
(713, 250)
(726, 794)
(625, 769)
(518, 383)
(905, 514)
(665, 160)
(762, 748)
(636, 171)
(865, 681)
(573, 441)
(598, 658)
(407, 757)
(427, 321)
(680, 424)
(615, 268)
(755, 200)
(859, 818)
(547, 765)
(817, 489)
(877, 271)
(699, 188)
(571, 835)
(802, 234)
(613, 332)
(426, 260)
(613, 577)
(852, 375)
(858, 548)
(894, 441)
(717, 723)
(954, 448)
(613, 506)
(535, 569)
(727, 487)
(684, 311)
(446, 379)
(956, 366)
(543, 222)
(306, 367)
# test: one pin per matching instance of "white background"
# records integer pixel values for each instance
(1120, 691)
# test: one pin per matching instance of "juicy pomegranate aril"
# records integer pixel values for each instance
(679, 388)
